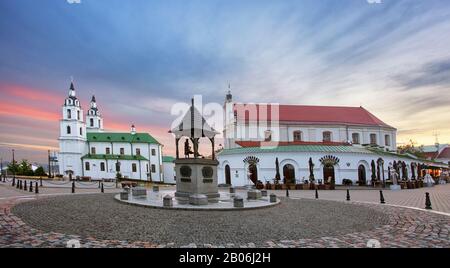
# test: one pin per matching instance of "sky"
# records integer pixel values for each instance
(140, 57)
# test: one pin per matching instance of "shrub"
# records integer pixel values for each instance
(347, 182)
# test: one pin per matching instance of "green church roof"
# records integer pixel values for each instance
(297, 148)
(114, 157)
(121, 137)
(168, 158)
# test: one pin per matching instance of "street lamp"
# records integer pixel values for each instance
(14, 167)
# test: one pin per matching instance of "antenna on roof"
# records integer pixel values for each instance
(436, 138)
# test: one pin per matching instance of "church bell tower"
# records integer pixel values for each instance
(72, 136)
(94, 119)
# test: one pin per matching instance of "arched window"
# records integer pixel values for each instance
(68, 130)
(91, 122)
(268, 135)
(81, 131)
(387, 140)
(326, 136)
(355, 138)
(78, 115)
(69, 114)
(87, 166)
(102, 166)
(373, 139)
(227, 175)
(289, 174)
(297, 135)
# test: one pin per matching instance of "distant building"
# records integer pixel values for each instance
(438, 152)
(169, 169)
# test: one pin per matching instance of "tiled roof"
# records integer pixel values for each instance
(121, 137)
(285, 143)
(297, 148)
(114, 157)
(445, 154)
(315, 115)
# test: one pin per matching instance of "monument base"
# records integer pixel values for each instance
(395, 187)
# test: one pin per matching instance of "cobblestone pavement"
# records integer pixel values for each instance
(405, 227)
(439, 195)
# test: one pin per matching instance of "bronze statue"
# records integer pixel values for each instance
(187, 149)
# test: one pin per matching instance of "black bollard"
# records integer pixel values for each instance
(287, 192)
(31, 187)
(99, 185)
(73, 187)
(102, 189)
(348, 195)
(382, 197)
(36, 189)
(20, 185)
(40, 180)
(25, 186)
(317, 194)
(14, 182)
(427, 201)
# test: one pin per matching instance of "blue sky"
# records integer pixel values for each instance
(139, 57)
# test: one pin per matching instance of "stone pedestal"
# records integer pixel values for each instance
(238, 202)
(395, 187)
(167, 201)
(139, 191)
(273, 198)
(198, 199)
(254, 194)
(124, 196)
(197, 176)
(263, 193)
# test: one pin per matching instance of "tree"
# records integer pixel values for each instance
(25, 168)
(411, 148)
(13, 167)
(40, 172)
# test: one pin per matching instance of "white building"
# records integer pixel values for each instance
(169, 170)
(89, 151)
(342, 142)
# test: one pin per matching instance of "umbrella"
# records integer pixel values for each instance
(277, 168)
(404, 172)
(311, 169)
(374, 176)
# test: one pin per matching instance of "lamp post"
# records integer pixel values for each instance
(49, 166)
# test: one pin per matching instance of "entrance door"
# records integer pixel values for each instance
(227, 175)
(328, 172)
(362, 175)
(289, 173)
(253, 171)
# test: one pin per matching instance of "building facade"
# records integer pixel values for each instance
(86, 150)
(343, 143)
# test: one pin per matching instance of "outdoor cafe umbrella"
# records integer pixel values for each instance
(277, 168)
(311, 169)
(374, 176)
(413, 171)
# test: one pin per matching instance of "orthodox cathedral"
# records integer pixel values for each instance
(87, 151)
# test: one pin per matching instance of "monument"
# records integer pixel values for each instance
(196, 176)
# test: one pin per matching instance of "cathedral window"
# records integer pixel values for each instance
(373, 139)
(78, 115)
(118, 167)
(138, 151)
(99, 125)
(153, 152)
(355, 138)
(81, 131)
(108, 150)
(133, 167)
(147, 168)
(327, 136)
(87, 166)
(153, 168)
(69, 114)
(68, 130)
(122, 151)
(387, 140)
(102, 166)
(268, 135)
(91, 122)
(93, 151)
(297, 135)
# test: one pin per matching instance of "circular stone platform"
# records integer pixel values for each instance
(225, 202)
(99, 216)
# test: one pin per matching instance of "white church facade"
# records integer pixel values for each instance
(86, 150)
(342, 143)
